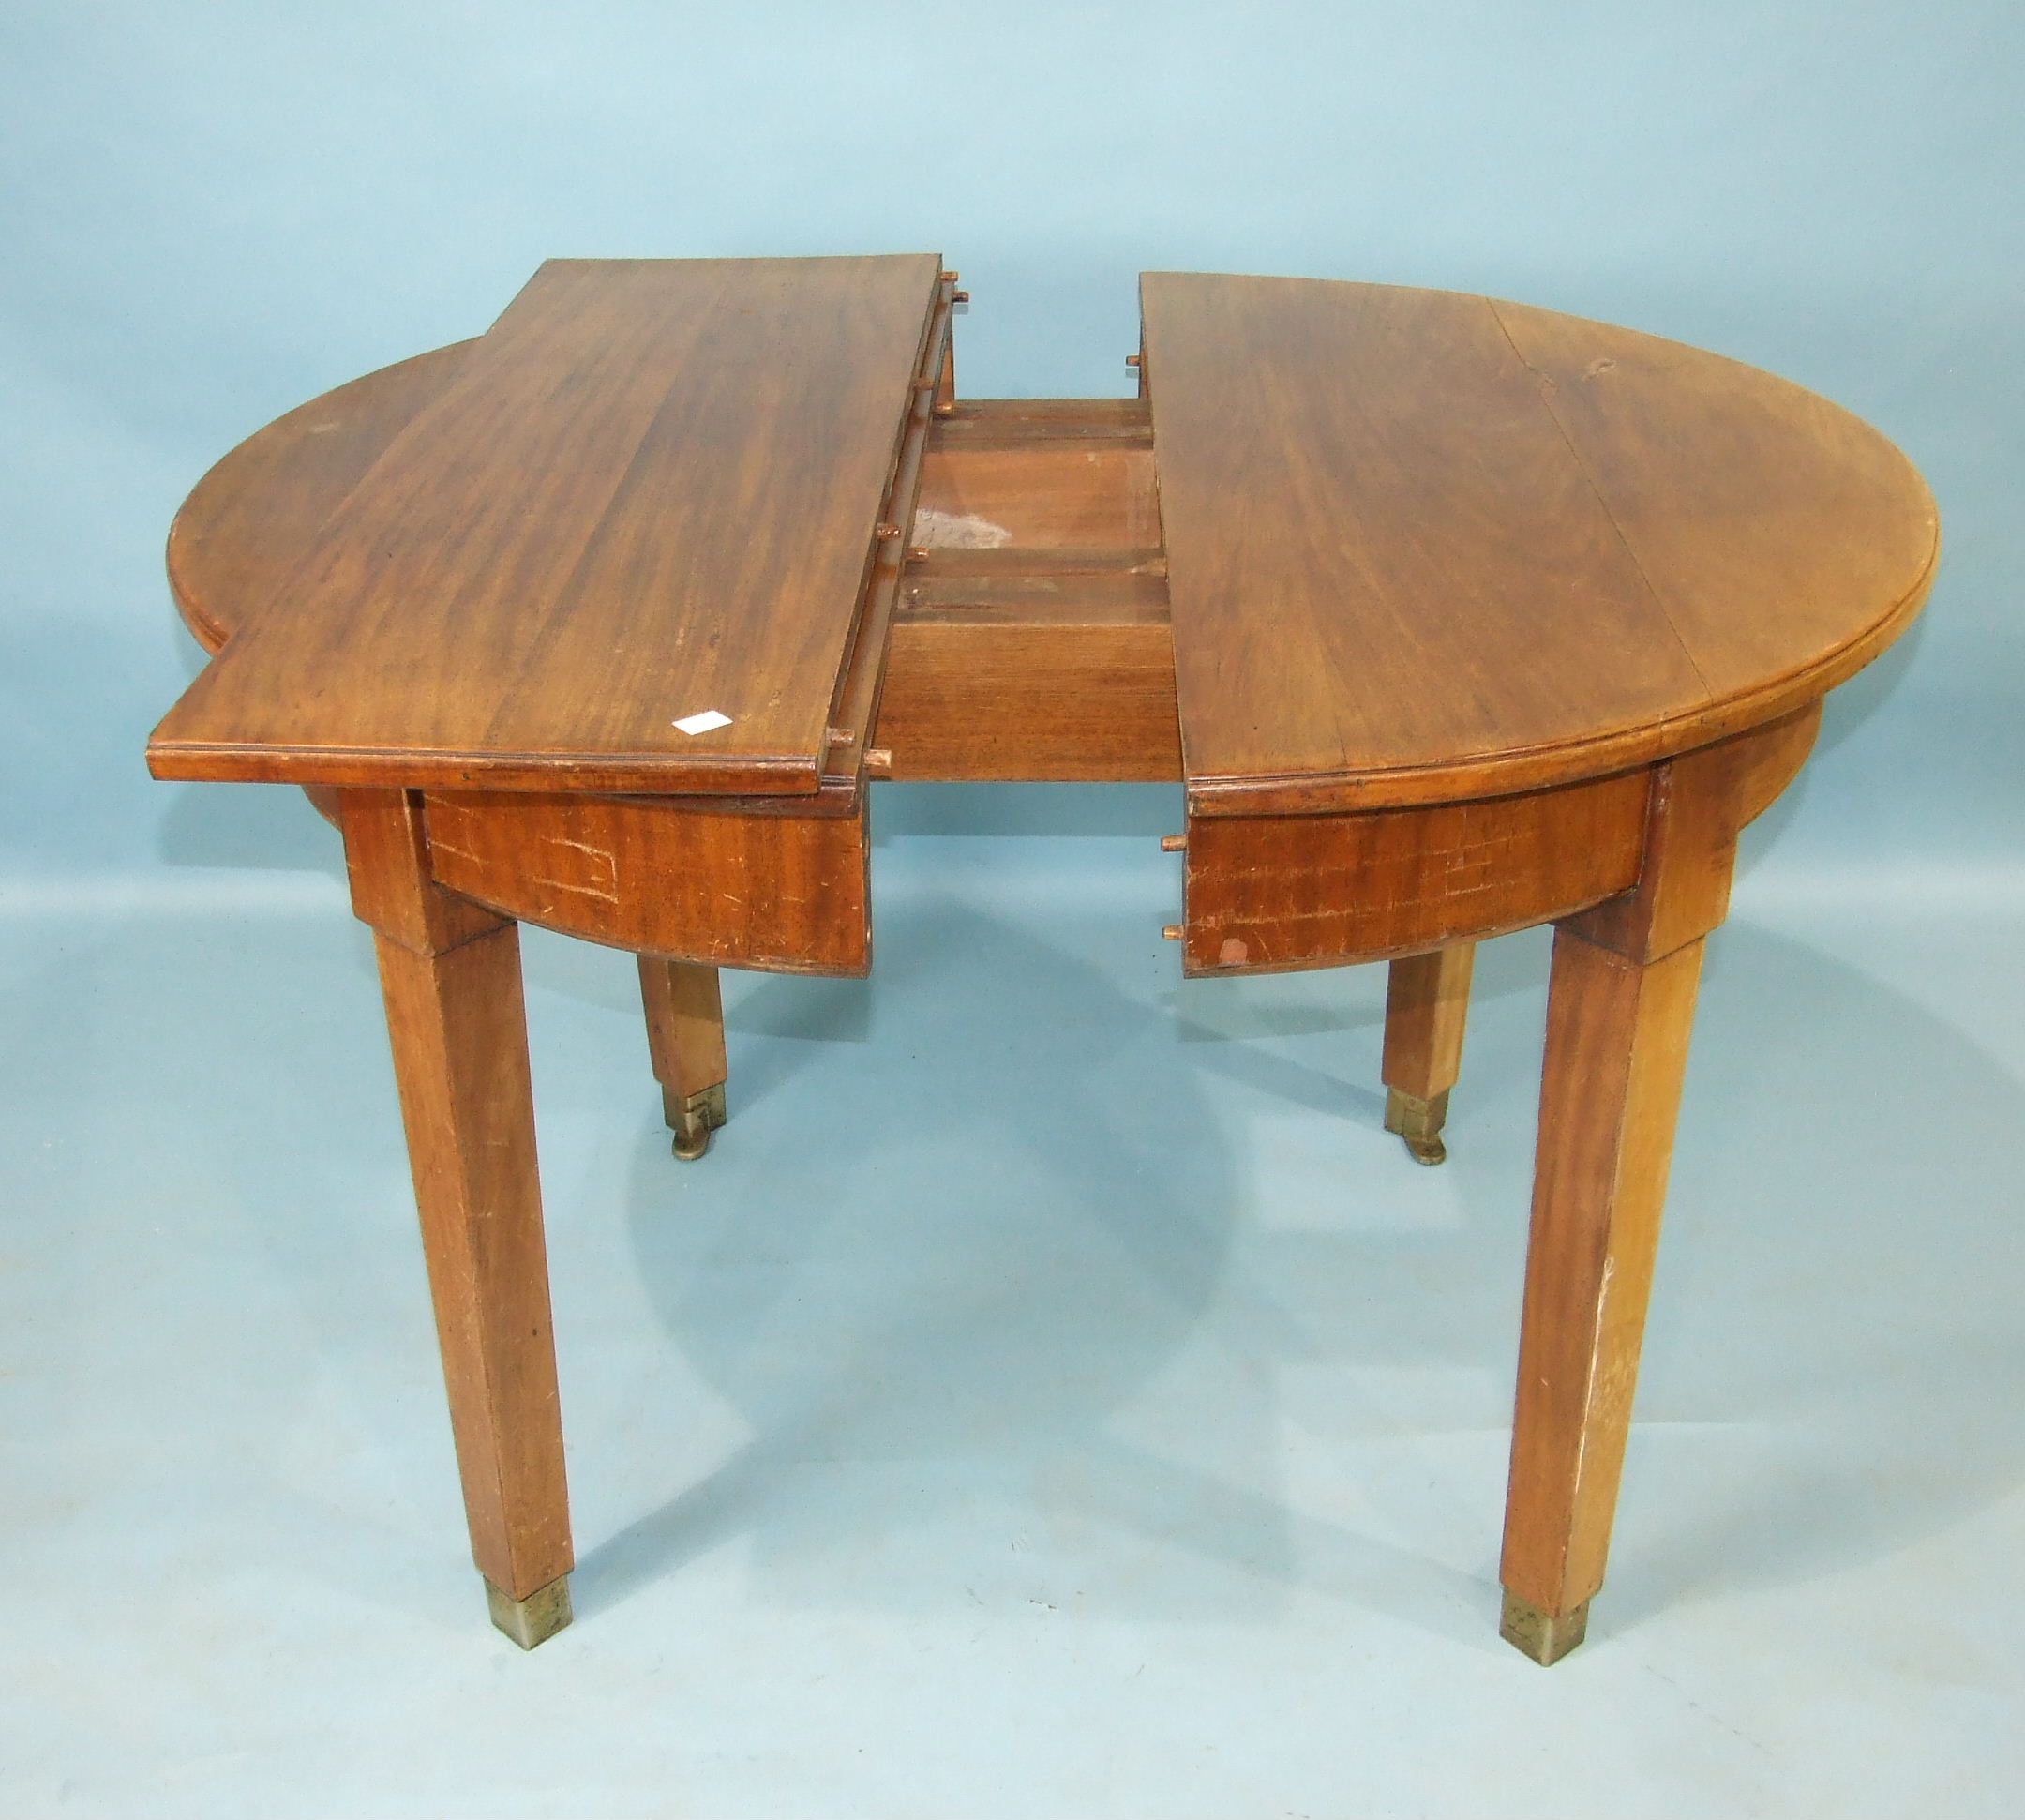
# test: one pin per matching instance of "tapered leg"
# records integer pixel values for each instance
(685, 1035)
(1617, 1032)
(460, 1056)
(1620, 1008)
(1427, 1003)
(450, 972)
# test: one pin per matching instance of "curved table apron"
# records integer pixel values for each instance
(1453, 616)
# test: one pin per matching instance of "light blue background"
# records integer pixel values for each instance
(239, 1583)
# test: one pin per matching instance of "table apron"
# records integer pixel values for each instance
(1277, 893)
(774, 891)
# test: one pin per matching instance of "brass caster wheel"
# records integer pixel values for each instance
(1418, 1123)
(694, 1119)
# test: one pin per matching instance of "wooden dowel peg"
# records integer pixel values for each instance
(1132, 360)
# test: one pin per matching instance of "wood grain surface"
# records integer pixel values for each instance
(1045, 473)
(248, 523)
(1272, 894)
(1617, 1036)
(1427, 1007)
(652, 489)
(1031, 641)
(778, 892)
(1066, 694)
(450, 975)
(1424, 546)
(685, 1007)
(1620, 1008)
(1055, 662)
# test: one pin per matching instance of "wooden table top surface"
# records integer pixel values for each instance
(1421, 545)
(1414, 533)
(650, 490)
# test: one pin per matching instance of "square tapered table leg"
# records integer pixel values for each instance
(450, 974)
(685, 1035)
(1427, 1004)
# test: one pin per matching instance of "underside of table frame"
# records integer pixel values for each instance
(1029, 640)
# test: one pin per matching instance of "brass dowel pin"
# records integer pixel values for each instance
(1132, 360)
(878, 762)
(1171, 933)
(1174, 842)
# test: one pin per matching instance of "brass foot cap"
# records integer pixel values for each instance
(694, 1119)
(536, 1618)
(1418, 1122)
(1533, 1632)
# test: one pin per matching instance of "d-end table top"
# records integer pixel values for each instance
(1426, 546)
(650, 490)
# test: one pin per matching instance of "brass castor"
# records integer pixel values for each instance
(1418, 1122)
(536, 1618)
(1533, 1632)
(694, 1119)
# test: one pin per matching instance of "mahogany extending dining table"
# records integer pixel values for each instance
(1453, 616)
